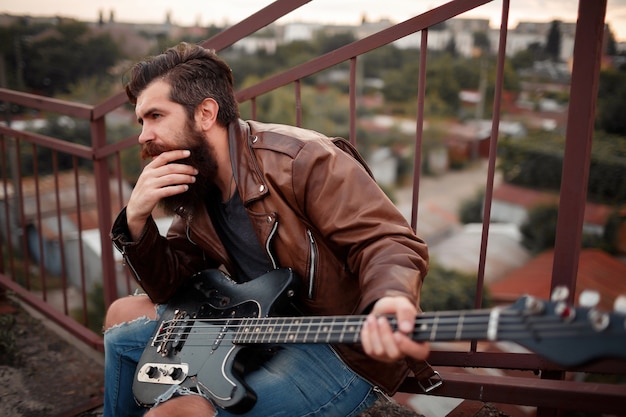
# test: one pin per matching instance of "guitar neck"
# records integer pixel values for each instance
(447, 326)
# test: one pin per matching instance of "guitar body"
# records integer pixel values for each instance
(198, 354)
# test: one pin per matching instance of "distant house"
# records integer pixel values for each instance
(511, 204)
(461, 251)
(63, 216)
(597, 271)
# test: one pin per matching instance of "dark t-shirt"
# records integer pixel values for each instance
(236, 233)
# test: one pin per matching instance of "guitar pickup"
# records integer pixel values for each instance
(163, 373)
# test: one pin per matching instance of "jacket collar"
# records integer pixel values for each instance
(246, 170)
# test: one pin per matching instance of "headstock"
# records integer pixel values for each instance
(565, 334)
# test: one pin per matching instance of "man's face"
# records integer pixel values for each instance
(166, 127)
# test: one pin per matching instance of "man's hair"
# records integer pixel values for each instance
(194, 74)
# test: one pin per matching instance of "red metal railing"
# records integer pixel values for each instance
(549, 392)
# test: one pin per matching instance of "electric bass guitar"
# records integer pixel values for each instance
(212, 319)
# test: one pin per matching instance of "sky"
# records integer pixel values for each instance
(206, 12)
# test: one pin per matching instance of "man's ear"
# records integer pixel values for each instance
(206, 113)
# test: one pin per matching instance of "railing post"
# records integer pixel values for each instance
(578, 139)
(105, 216)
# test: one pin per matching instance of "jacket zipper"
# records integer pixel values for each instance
(268, 245)
(313, 260)
(130, 265)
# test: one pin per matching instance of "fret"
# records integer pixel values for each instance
(305, 336)
(433, 330)
(329, 332)
(343, 331)
(355, 328)
(268, 330)
(459, 327)
(318, 328)
(292, 336)
(492, 325)
(241, 331)
(284, 330)
(249, 330)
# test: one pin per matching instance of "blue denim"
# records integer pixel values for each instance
(299, 380)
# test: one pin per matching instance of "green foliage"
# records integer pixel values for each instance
(471, 210)
(446, 75)
(553, 41)
(447, 289)
(611, 106)
(63, 128)
(610, 237)
(324, 110)
(375, 63)
(523, 59)
(537, 162)
(48, 64)
(539, 230)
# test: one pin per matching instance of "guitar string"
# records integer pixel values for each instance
(240, 330)
(337, 321)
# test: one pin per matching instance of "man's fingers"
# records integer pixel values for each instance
(410, 348)
(170, 156)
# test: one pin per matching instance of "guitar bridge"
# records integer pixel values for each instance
(172, 334)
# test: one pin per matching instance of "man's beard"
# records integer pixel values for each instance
(202, 158)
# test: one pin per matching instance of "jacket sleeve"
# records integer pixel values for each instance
(350, 210)
(159, 264)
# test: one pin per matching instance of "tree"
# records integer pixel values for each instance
(48, 59)
(481, 41)
(447, 289)
(471, 210)
(539, 230)
(611, 106)
(553, 41)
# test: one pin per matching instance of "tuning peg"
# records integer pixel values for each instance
(598, 319)
(620, 304)
(589, 298)
(560, 293)
(533, 305)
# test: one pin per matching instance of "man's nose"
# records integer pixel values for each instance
(146, 135)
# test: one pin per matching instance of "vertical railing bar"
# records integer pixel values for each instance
(493, 149)
(81, 255)
(419, 127)
(121, 200)
(22, 214)
(352, 94)
(42, 257)
(298, 91)
(105, 215)
(5, 179)
(55, 164)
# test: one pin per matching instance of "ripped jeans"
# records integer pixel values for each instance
(299, 380)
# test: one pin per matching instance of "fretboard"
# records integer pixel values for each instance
(447, 326)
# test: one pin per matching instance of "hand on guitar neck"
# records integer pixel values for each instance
(386, 344)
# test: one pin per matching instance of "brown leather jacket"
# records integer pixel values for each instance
(315, 209)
